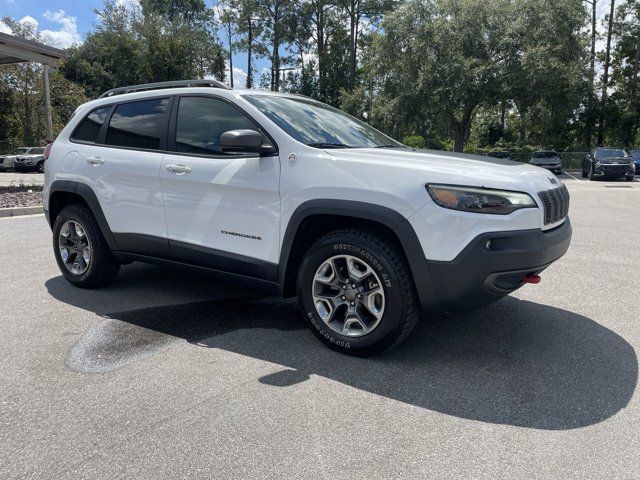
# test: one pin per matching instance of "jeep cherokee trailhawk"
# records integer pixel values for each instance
(298, 195)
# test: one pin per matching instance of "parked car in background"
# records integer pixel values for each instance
(607, 162)
(499, 154)
(635, 155)
(547, 159)
(7, 161)
(31, 162)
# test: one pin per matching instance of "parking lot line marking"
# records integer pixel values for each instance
(567, 173)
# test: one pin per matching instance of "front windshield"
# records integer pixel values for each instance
(37, 151)
(635, 154)
(319, 125)
(610, 153)
(499, 154)
(544, 154)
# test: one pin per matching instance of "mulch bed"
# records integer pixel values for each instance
(20, 196)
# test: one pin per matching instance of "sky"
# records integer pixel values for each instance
(65, 22)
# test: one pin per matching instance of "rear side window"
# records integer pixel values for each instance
(89, 127)
(201, 121)
(138, 124)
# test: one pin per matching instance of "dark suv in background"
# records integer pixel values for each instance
(635, 155)
(547, 159)
(605, 162)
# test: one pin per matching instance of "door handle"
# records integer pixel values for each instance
(95, 161)
(178, 169)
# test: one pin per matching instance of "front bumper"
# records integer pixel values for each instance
(614, 171)
(485, 272)
(555, 168)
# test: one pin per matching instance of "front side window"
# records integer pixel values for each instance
(319, 125)
(90, 126)
(138, 124)
(201, 121)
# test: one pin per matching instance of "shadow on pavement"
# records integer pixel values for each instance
(515, 362)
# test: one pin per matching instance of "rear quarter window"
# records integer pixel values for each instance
(89, 127)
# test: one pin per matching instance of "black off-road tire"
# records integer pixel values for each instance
(103, 266)
(401, 310)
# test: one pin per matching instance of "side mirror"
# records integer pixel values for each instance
(241, 141)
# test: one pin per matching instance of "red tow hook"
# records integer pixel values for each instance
(535, 279)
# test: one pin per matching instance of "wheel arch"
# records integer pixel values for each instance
(314, 218)
(67, 192)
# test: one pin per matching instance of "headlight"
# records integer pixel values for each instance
(479, 200)
(632, 165)
(598, 164)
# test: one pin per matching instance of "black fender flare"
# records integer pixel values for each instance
(385, 216)
(87, 194)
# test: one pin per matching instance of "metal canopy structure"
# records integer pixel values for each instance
(19, 50)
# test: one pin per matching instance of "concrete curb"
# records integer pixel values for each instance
(18, 211)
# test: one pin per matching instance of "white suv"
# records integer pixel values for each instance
(302, 197)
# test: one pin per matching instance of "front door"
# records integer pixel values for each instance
(222, 210)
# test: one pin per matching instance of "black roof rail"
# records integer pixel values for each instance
(160, 85)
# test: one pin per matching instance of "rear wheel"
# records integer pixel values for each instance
(356, 292)
(81, 251)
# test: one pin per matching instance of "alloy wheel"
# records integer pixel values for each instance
(74, 247)
(348, 295)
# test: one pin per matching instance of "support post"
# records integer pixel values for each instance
(47, 104)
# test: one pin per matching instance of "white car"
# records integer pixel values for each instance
(302, 197)
(31, 162)
(7, 160)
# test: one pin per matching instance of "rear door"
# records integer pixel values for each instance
(222, 210)
(123, 169)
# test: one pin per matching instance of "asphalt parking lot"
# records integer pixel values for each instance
(173, 374)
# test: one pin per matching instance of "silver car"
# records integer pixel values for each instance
(547, 159)
(7, 161)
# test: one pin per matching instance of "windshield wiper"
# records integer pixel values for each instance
(328, 145)
(390, 146)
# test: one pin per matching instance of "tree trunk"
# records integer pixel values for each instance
(230, 58)
(605, 76)
(503, 115)
(249, 46)
(353, 21)
(592, 75)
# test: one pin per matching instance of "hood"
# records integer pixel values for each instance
(431, 166)
(30, 155)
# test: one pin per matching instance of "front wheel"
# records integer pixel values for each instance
(629, 178)
(40, 167)
(81, 251)
(356, 292)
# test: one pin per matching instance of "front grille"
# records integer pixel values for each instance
(555, 203)
(615, 169)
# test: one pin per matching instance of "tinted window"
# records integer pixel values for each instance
(37, 151)
(88, 129)
(544, 154)
(138, 124)
(201, 121)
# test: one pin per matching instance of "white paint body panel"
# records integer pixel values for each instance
(238, 195)
(258, 196)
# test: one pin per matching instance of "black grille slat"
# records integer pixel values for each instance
(555, 203)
